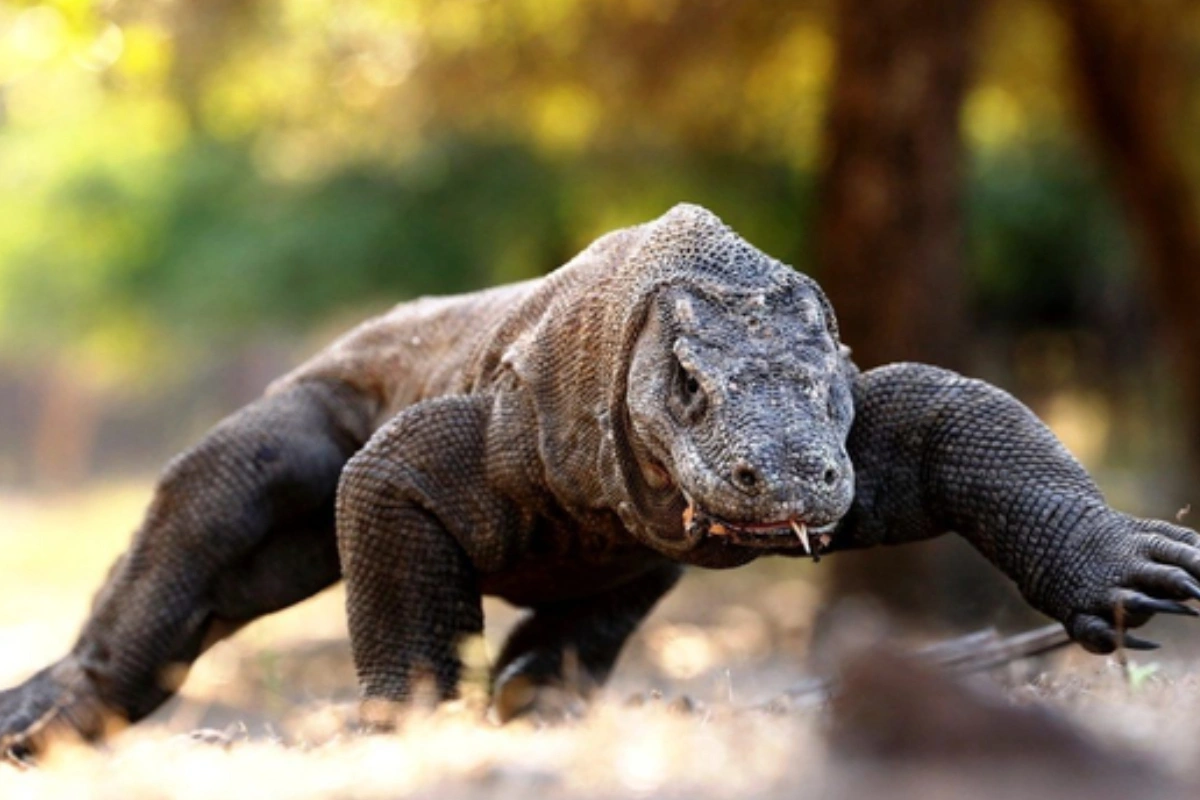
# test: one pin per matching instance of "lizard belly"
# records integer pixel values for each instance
(555, 578)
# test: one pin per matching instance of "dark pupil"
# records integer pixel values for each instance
(692, 385)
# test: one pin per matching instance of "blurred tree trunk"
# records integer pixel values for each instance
(890, 220)
(890, 242)
(1128, 60)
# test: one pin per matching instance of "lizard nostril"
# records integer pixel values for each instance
(745, 476)
(830, 476)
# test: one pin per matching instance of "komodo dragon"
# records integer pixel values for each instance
(671, 396)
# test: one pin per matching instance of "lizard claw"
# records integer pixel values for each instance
(1132, 642)
(56, 701)
(1133, 570)
(1144, 605)
(18, 756)
(544, 704)
(1099, 636)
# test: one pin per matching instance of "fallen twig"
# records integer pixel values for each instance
(987, 649)
(975, 652)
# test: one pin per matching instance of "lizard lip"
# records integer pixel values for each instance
(791, 533)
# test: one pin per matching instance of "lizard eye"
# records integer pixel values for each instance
(688, 400)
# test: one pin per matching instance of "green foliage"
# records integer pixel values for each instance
(198, 244)
(1047, 245)
(173, 179)
(1139, 675)
(232, 251)
(169, 178)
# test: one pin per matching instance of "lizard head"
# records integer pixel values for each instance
(739, 406)
(710, 394)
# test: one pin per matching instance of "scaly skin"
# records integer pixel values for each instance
(672, 396)
(937, 452)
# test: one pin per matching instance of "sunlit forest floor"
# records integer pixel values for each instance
(677, 720)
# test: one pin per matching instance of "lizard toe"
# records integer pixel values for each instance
(544, 704)
(58, 701)
(1097, 635)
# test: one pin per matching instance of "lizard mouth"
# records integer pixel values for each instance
(791, 533)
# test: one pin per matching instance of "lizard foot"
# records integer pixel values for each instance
(224, 739)
(683, 705)
(544, 704)
(59, 701)
(1135, 569)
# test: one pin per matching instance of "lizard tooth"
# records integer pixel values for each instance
(802, 534)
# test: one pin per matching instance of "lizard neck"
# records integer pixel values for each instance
(561, 368)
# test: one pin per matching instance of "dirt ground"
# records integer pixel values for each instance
(679, 719)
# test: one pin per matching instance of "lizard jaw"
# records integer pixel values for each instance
(774, 534)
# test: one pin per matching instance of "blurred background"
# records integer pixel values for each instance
(196, 194)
